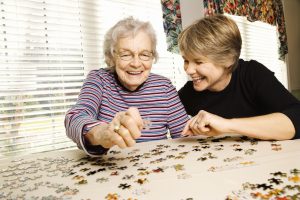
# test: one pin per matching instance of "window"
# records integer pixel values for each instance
(260, 42)
(47, 49)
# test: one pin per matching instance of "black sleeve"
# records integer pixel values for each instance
(182, 95)
(272, 96)
(95, 150)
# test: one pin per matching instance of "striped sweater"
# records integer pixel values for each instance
(102, 96)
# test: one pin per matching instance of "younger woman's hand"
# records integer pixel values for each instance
(205, 123)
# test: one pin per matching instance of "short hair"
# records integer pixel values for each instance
(215, 37)
(125, 28)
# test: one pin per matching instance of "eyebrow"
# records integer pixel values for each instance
(124, 49)
(195, 58)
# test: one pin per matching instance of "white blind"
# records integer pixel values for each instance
(96, 18)
(46, 49)
(260, 42)
(41, 71)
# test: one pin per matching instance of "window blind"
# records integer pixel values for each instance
(47, 49)
(41, 73)
(260, 42)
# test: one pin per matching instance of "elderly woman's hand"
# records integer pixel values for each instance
(122, 131)
(126, 127)
(205, 123)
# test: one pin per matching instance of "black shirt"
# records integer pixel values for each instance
(253, 90)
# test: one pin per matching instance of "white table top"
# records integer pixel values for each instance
(183, 169)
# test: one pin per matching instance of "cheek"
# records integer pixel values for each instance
(202, 71)
(185, 67)
(120, 66)
(120, 72)
(149, 65)
(220, 71)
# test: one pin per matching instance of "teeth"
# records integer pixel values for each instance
(199, 78)
(134, 72)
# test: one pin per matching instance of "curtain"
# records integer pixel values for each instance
(268, 11)
(172, 23)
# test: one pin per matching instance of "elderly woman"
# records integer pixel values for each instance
(125, 103)
(230, 95)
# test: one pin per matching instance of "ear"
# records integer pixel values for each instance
(229, 68)
(229, 65)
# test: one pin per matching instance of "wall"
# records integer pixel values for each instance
(292, 20)
(191, 10)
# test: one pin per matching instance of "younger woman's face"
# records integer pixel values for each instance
(205, 74)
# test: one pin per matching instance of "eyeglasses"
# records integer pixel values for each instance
(129, 56)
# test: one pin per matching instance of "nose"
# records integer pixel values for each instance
(135, 61)
(190, 68)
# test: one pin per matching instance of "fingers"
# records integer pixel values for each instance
(199, 124)
(203, 126)
(123, 138)
(126, 128)
(186, 129)
(134, 114)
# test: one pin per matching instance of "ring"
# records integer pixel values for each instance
(117, 128)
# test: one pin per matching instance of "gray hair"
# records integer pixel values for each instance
(124, 28)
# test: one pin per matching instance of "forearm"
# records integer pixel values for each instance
(74, 125)
(275, 126)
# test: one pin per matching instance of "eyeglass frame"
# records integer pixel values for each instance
(132, 55)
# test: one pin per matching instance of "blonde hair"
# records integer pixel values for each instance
(125, 28)
(215, 37)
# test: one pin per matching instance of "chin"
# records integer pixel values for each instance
(199, 88)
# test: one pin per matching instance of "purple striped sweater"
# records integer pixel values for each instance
(102, 96)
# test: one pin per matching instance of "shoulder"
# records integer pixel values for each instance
(100, 73)
(186, 89)
(100, 78)
(252, 67)
(157, 77)
(252, 71)
(159, 80)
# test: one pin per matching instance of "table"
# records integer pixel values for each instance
(181, 169)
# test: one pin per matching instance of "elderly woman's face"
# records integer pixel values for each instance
(133, 60)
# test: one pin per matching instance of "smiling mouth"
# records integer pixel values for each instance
(134, 73)
(198, 79)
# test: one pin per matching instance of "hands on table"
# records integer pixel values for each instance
(122, 131)
(205, 123)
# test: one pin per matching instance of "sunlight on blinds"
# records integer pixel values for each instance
(47, 48)
(260, 42)
(40, 76)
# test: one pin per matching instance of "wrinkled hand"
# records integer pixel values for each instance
(205, 123)
(122, 131)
